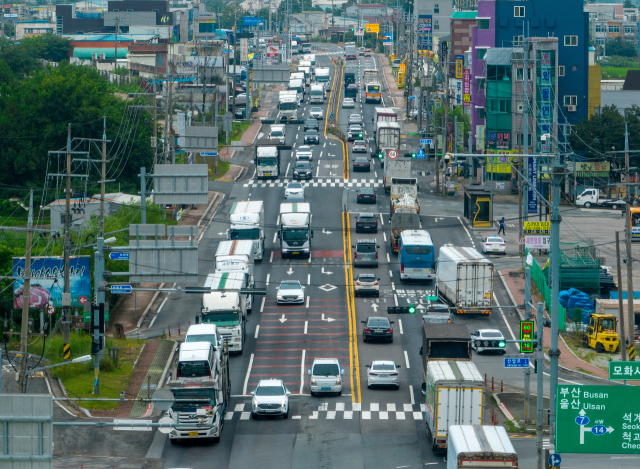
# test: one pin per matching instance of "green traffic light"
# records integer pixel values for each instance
(379, 155)
(413, 155)
(360, 135)
(412, 309)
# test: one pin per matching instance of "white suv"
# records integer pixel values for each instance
(326, 376)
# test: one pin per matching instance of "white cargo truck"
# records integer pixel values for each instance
(322, 75)
(294, 230)
(237, 256)
(247, 222)
(596, 198)
(316, 95)
(226, 307)
(455, 394)
(484, 446)
(465, 280)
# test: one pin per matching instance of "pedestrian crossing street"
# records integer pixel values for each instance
(344, 411)
(321, 182)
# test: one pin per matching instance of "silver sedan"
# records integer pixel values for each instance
(383, 373)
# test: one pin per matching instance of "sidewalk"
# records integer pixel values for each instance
(397, 96)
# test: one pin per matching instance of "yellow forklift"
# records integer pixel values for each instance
(601, 334)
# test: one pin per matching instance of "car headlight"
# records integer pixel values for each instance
(255, 403)
(313, 381)
(338, 381)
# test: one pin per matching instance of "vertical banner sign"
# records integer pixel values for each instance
(532, 199)
(467, 87)
(425, 39)
(244, 49)
(480, 137)
(544, 89)
(458, 92)
(459, 61)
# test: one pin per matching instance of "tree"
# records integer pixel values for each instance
(628, 4)
(621, 47)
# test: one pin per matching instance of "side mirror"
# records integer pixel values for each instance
(341, 372)
(353, 246)
(367, 366)
(288, 393)
(377, 246)
(253, 393)
(398, 366)
(309, 372)
(363, 322)
(312, 233)
(378, 280)
(391, 322)
(277, 288)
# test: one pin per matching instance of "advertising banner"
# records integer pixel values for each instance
(47, 281)
(373, 28)
(244, 49)
(467, 87)
(480, 137)
(425, 38)
(532, 197)
(459, 65)
(273, 51)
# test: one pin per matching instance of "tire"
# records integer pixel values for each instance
(313, 394)
(173, 442)
(599, 348)
(614, 207)
(215, 439)
(587, 204)
(241, 350)
(378, 294)
(364, 338)
(391, 340)
(286, 415)
(254, 416)
(340, 393)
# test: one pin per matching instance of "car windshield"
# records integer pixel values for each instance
(295, 234)
(276, 133)
(418, 249)
(495, 335)
(378, 322)
(366, 247)
(290, 286)
(312, 132)
(208, 396)
(355, 116)
(294, 185)
(366, 191)
(366, 277)
(269, 391)
(195, 369)
(354, 127)
(495, 240)
(267, 161)
(252, 233)
(366, 215)
(383, 367)
(359, 143)
(312, 122)
(211, 338)
(348, 100)
(222, 318)
(302, 166)
(361, 159)
(326, 369)
(304, 149)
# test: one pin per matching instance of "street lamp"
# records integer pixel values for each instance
(82, 359)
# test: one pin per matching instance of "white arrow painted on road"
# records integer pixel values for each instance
(326, 232)
(282, 319)
(375, 307)
(328, 319)
(439, 219)
(328, 273)
(331, 154)
(290, 271)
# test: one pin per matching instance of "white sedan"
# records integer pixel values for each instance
(290, 292)
(271, 397)
(304, 153)
(316, 113)
(493, 244)
(488, 340)
(348, 102)
(383, 373)
(293, 188)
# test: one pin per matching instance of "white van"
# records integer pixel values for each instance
(204, 333)
(277, 133)
(326, 376)
(196, 363)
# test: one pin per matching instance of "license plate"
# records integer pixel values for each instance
(267, 174)
(296, 252)
(419, 271)
(496, 250)
(383, 376)
(325, 389)
(193, 433)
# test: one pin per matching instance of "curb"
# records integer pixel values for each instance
(166, 368)
(504, 410)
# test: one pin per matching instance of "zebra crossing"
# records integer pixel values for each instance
(330, 53)
(321, 182)
(343, 412)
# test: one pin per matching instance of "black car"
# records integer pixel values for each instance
(366, 222)
(310, 124)
(361, 163)
(311, 136)
(366, 195)
(302, 170)
(377, 328)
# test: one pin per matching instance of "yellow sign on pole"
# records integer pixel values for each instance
(537, 227)
(393, 56)
(372, 28)
(402, 68)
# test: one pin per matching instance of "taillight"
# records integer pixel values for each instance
(366, 329)
(373, 374)
(357, 283)
(393, 374)
(209, 369)
(375, 283)
(389, 331)
(177, 373)
(355, 255)
(402, 268)
(503, 245)
(376, 255)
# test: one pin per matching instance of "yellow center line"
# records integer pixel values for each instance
(346, 276)
(326, 118)
(354, 336)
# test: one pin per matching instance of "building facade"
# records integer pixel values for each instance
(440, 12)
(462, 23)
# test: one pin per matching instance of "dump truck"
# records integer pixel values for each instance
(404, 196)
(602, 333)
(465, 280)
(449, 342)
(483, 446)
(401, 220)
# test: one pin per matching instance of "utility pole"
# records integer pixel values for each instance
(524, 194)
(155, 127)
(630, 312)
(235, 64)
(103, 176)
(540, 387)
(115, 60)
(623, 336)
(66, 296)
(527, 317)
(472, 159)
(168, 120)
(24, 329)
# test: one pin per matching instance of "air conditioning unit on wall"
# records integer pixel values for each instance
(571, 108)
(520, 108)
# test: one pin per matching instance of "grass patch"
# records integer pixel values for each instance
(582, 370)
(238, 129)
(620, 72)
(78, 378)
(223, 167)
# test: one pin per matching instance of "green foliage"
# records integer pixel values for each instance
(618, 46)
(619, 61)
(615, 73)
(628, 4)
(22, 57)
(453, 112)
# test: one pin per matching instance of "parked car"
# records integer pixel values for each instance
(359, 146)
(368, 284)
(290, 292)
(311, 124)
(365, 253)
(361, 163)
(293, 188)
(302, 170)
(383, 373)
(304, 153)
(271, 397)
(377, 328)
(488, 340)
(366, 195)
(348, 103)
(493, 244)
(311, 136)
(366, 222)
(316, 113)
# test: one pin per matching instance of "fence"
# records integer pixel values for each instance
(541, 282)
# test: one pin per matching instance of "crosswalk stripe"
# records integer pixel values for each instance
(417, 415)
(366, 415)
(245, 415)
(384, 415)
(348, 415)
(400, 416)
(331, 415)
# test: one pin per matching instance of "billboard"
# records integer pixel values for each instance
(425, 39)
(47, 281)
(373, 28)
(467, 87)
(459, 65)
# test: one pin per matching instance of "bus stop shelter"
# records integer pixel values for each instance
(478, 211)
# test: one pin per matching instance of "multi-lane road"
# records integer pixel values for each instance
(363, 427)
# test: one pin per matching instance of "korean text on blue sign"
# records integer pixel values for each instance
(516, 363)
(47, 281)
(424, 32)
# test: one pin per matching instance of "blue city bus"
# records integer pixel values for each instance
(417, 255)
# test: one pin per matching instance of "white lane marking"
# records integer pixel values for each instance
(400, 326)
(331, 414)
(388, 259)
(382, 415)
(285, 175)
(406, 359)
(395, 297)
(271, 257)
(465, 229)
(384, 235)
(296, 417)
(390, 274)
(297, 134)
(308, 279)
(245, 415)
(391, 407)
(162, 304)
(246, 379)
(317, 170)
(366, 415)
(320, 155)
(257, 329)
(306, 326)
(275, 236)
(304, 353)
(393, 286)
(381, 220)
(505, 319)
(325, 144)
(308, 301)
(374, 407)
(348, 414)
(239, 408)
(267, 283)
(376, 174)
(262, 305)
(413, 401)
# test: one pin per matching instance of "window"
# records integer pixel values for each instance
(561, 70)
(600, 41)
(115, 10)
(436, 8)
(628, 30)
(481, 53)
(130, 10)
(480, 112)
(518, 12)
(570, 100)
(436, 24)
(518, 40)
(574, 68)
(600, 28)
(571, 40)
(499, 105)
(484, 24)
(520, 140)
(613, 28)
(159, 60)
(481, 83)
(519, 74)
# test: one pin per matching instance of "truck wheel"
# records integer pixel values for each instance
(587, 204)
(599, 348)
(173, 441)
(614, 207)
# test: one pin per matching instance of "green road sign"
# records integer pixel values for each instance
(624, 371)
(86, 317)
(431, 298)
(598, 419)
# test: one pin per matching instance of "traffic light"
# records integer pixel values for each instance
(413, 155)
(360, 135)
(502, 344)
(410, 309)
(527, 333)
(380, 155)
(97, 328)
